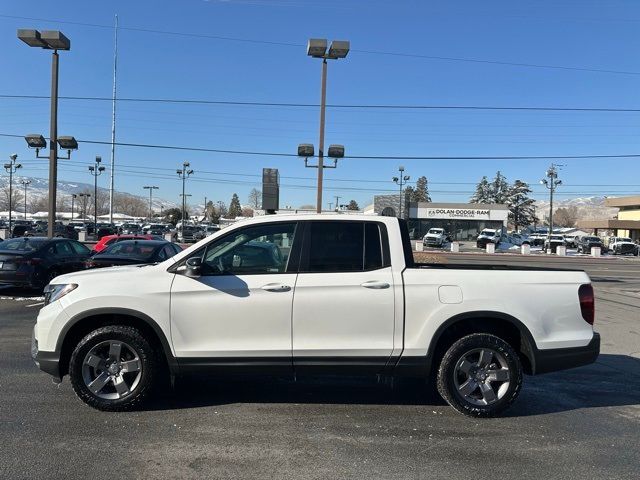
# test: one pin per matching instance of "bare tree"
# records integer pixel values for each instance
(566, 217)
(17, 199)
(247, 212)
(255, 199)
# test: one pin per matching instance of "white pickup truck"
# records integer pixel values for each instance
(313, 295)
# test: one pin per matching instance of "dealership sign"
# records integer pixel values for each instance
(457, 213)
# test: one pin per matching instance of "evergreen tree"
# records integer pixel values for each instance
(522, 212)
(353, 205)
(235, 209)
(482, 193)
(421, 192)
(499, 189)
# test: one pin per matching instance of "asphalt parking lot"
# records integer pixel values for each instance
(582, 423)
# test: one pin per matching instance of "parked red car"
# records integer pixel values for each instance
(110, 239)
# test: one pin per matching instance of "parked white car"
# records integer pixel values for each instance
(308, 295)
(488, 235)
(435, 237)
(622, 246)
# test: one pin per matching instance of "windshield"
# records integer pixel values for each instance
(591, 239)
(557, 238)
(21, 245)
(489, 233)
(130, 249)
(435, 231)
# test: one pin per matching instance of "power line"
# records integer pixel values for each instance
(366, 52)
(334, 105)
(351, 157)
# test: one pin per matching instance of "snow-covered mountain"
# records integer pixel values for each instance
(589, 208)
(39, 188)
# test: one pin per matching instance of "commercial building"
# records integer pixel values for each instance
(626, 223)
(462, 221)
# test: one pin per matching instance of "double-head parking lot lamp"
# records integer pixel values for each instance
(49, 40)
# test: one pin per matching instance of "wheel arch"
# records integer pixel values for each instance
(83, 323)
(509, 328)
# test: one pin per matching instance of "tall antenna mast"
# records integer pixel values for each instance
(113, 121)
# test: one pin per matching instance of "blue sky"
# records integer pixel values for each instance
(584, 34)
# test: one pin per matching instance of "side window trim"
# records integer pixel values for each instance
(295, 250)
(306, 244)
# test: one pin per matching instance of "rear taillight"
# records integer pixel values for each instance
(28, 261)
(587, 303)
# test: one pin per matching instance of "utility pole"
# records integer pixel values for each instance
(552, 183)
(184, 173)
(330, 205)
(204, 210)
(401, 180)
(96, 169)
(151, 188)
(113, 121)
(73, 199)
(25, 183)
(338, 202)
(11, 168)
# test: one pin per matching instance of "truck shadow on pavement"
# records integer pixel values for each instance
(614, 380)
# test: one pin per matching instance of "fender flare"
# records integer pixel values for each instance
(147, 320)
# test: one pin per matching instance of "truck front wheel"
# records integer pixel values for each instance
(480, 375)
(113, 368)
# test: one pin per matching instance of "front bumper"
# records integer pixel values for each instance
(555, 359)
(48, 362)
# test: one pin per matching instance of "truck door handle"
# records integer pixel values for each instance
(276, 287)
(375, 284)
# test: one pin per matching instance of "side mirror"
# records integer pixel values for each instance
(194, 265)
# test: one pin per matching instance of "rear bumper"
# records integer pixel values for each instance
(556, 359)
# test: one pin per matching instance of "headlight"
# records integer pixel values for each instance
(56, 292)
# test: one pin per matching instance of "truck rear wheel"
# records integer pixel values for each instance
(480, 375)
(113, 368)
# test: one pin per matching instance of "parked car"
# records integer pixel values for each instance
(205, 230)
(133, 252)
(22, 230)
(571, 241)
(342, 296)
(33, 261)
(519, 239)
(622, 246)
(155, 229)
(186, 234)
(537, 239)
(488, 235)
(586, 243)
(552, 243)
(435, 237)
(130, 229)
(110, 239)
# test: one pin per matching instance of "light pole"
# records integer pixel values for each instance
(96, 169)
(151, 188)
(337, 202)
(184, 173)
(50, 40)
(73, 200)
(552, 183)
(25, 184)
(401, 180)
(317, 48)
(11, 168)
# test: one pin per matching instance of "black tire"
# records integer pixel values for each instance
(146, 379)
(449, 371)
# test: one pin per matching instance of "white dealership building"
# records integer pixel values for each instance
(463, 221)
